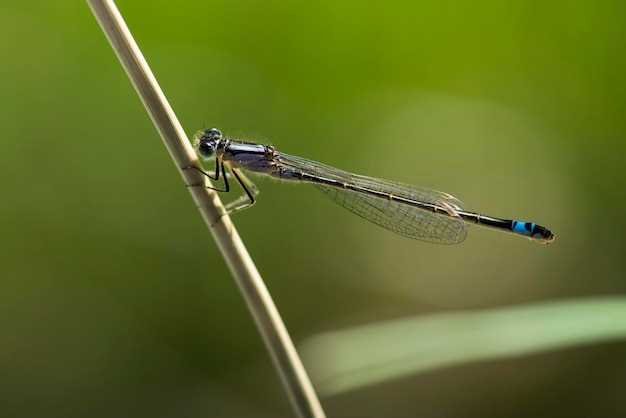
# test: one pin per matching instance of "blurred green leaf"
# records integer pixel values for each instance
(347, 360)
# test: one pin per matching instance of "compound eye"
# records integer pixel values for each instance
(205, 149)
(213, 134)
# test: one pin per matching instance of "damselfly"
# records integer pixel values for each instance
(413, 212)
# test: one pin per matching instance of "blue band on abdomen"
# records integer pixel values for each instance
(524, 228)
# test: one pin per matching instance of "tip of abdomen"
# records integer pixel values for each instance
(533, 231)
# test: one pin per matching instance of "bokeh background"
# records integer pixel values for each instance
(114, 300)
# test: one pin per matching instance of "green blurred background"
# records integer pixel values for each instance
(114, 300)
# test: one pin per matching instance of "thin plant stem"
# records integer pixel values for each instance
(266, 316)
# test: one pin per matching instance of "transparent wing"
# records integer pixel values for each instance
(403, 219)
(407, 191)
